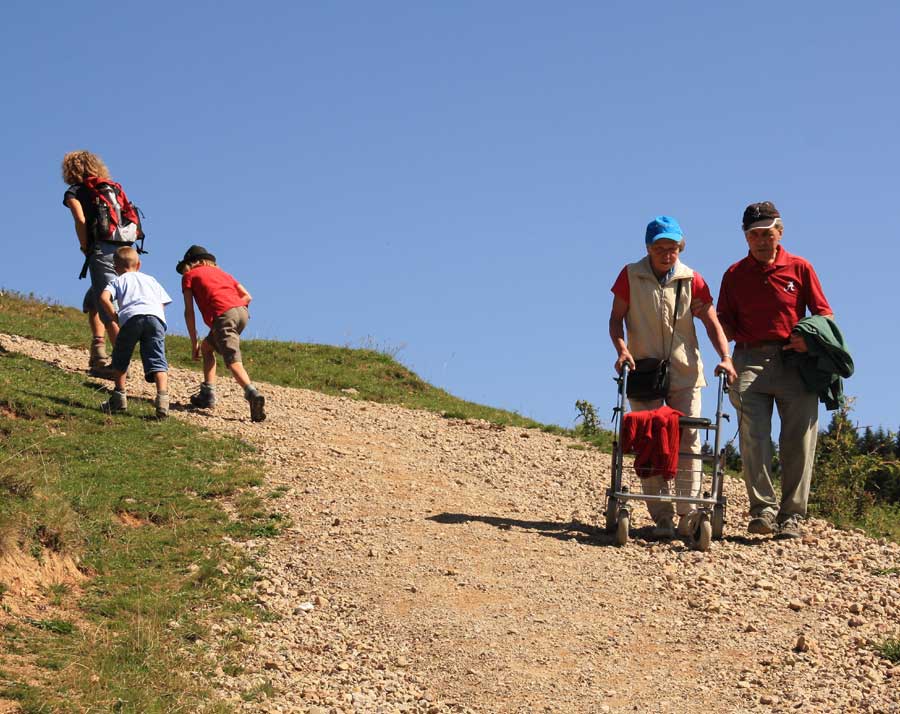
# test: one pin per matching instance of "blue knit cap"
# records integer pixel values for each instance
(663, 227)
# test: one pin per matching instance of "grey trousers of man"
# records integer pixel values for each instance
(764, 381)
(688, 479)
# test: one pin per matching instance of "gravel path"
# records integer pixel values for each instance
(440, 565)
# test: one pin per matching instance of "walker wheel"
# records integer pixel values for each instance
(622, 526)
(612, 511)
(704, 533)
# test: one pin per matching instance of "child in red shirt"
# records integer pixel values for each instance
(223, 304)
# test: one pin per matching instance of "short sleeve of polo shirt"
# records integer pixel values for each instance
(815, 296)
(700, 290)
(621, 289)
(700, 294)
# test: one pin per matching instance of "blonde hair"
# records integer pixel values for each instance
(78, 165)
(200, 261)
(126, 257)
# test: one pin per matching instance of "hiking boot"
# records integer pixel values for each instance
(763, 524)
(665, 528)
(205, 398)
(116, 403)
(257, 406)
(103, 372)
(790, 528)
(162, 405)
(98, 356)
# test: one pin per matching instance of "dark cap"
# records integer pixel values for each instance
(760, 215)
(193, 254)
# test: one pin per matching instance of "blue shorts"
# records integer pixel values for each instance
(151, 333)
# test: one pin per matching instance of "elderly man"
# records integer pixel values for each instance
(762, 299)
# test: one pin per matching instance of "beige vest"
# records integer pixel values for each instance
(649, 322)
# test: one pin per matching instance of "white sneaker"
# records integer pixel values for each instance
(665, 528)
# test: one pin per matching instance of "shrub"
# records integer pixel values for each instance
(842, 473)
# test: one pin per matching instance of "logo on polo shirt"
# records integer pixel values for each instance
(789, 288)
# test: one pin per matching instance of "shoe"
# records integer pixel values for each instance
(162, 406)
(98, 357)
(116, 403)
(763, 524)
(257, 406)
(103, 371)
(790, 528)
(665, 528)
(205, 398)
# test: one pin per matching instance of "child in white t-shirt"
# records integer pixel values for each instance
(141, 318)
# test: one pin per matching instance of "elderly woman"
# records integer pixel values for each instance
(644, 303)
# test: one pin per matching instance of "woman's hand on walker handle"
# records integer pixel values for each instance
(726, 367)
(624, 358)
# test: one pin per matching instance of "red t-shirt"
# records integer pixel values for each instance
(763, 302)
(700, 294)
(214, 290)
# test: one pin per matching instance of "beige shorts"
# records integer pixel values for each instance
(225, 333)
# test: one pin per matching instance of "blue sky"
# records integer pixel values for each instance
(464, 181)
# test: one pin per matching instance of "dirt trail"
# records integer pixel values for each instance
(437, 565)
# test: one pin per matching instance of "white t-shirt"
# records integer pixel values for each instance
(138, 294)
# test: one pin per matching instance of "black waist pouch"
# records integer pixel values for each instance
(648, 380)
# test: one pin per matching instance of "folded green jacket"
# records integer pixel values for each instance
(827, 359)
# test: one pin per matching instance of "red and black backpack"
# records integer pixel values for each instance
(115, 219)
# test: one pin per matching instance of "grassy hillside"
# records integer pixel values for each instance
(137, 504)
(375, 376)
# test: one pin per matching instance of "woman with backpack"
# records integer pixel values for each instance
(96, 202)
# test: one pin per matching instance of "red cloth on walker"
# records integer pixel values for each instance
(654, 437)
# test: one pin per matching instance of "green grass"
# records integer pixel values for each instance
(887, 571)
(889, 649)
(375, 376)
(69, 475)
(881, 520)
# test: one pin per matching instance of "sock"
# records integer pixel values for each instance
(207, 387)
(250, 391)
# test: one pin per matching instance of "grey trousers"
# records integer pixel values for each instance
(688, 479)
(102, 272)
(764, 381)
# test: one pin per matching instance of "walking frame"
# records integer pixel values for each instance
(709, 522)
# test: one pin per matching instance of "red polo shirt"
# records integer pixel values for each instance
(763, 302)
(700, 294)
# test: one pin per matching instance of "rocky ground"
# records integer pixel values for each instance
(437, 565)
